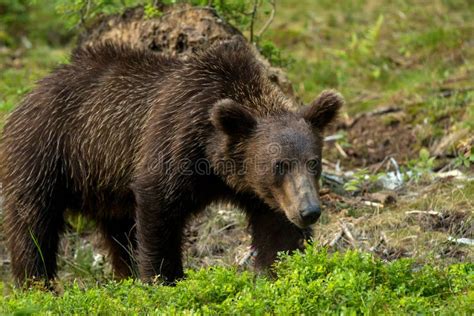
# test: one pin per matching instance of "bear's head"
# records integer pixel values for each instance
(277, 156)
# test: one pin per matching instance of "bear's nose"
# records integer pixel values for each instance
(310, 214)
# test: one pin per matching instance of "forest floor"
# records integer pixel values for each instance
(398, 177)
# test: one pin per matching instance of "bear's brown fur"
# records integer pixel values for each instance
(139, 142)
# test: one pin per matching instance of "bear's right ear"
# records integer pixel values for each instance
(232, 118)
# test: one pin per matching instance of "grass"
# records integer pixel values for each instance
(386, 48)
(408, 54)
(317, 282)
(19, 74)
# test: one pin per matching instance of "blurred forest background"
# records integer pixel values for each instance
(398, 167)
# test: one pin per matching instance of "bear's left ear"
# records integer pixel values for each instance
(324, 109)
(232, 118)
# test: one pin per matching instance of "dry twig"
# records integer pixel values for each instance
(253, 15)
(336, 238)
(349, 234)
(433, 213)
(340, 150)
(270, 19)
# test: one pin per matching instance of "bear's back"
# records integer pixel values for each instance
(87, 117)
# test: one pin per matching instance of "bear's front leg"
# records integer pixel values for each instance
(272, 232)
(159, 233)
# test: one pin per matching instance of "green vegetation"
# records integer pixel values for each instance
(16, 81)
(314, 283)
(392, 52)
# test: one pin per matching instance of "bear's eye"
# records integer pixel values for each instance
(312, 166)
(281, 167)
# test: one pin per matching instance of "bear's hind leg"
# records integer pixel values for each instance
(120, 240)
(33, 232)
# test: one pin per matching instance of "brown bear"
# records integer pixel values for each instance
(139, 142)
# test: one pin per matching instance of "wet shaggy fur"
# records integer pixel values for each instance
(119, 135)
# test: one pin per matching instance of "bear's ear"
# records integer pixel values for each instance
(324, 109)
(232, 118)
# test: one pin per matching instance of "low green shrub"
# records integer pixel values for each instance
(314, 282)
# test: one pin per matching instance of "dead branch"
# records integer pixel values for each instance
(336, 238)
(334, 137)
(374, 204)
(83, 13)
(349, 234)
(269, 21)
(341, 150)
(253, 15)
(462, 241)
(432, 213)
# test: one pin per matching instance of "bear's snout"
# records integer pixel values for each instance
(298, 197)
(310, 214)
